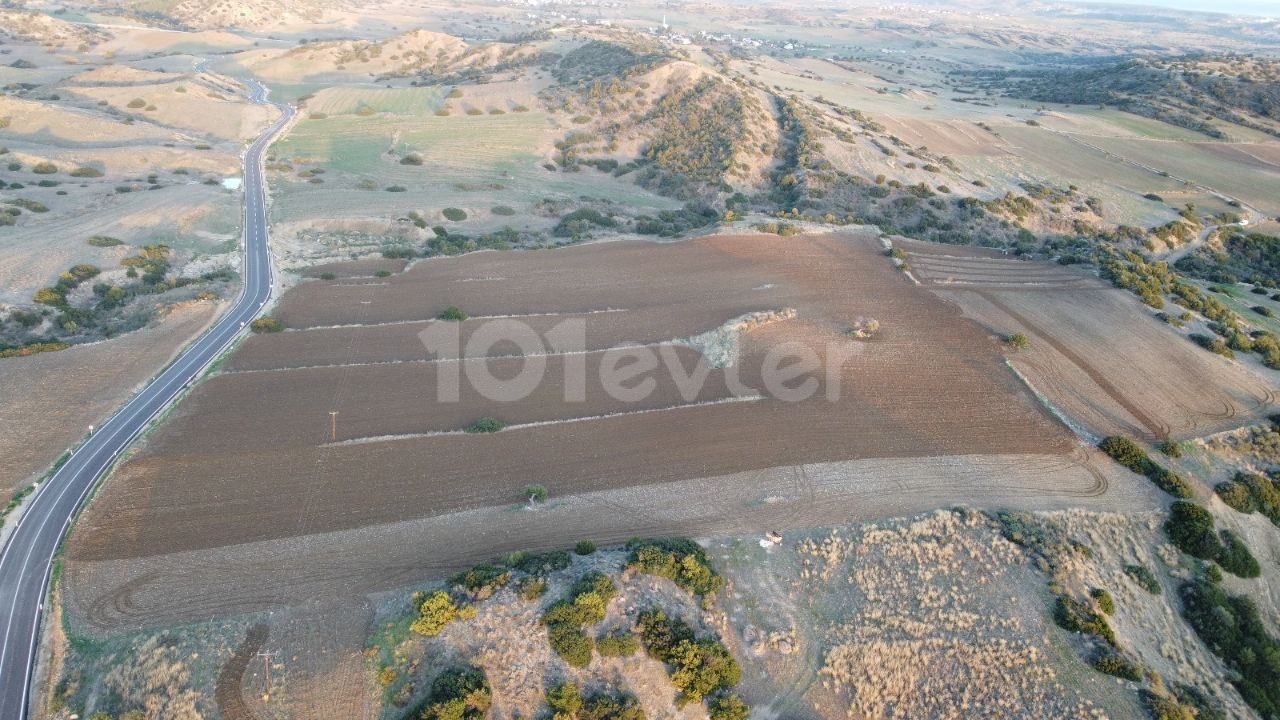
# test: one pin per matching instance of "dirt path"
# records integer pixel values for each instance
(228, 694)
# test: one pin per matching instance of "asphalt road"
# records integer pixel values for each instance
(26, 559)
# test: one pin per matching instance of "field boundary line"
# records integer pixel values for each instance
(543, 423)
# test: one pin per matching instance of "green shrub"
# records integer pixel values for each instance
(435, 611)
(483, 580)
(1206, 708)
(328, 276)
(1075, 616)
(382, 273)
(532, 588)
(1236, 495)
(1106, 603)
(1143, 577)
(580, 221)
(1113, 663)
(728, 707)
(571, 644)
(1249, 492)
(44, 168)
(395, 189)
(536, 493)
(452, 314)
(104, 241)
(1232, 627)
(567, 703)
(266, 324)
(1131, 455)
(1190, 529)
(584, 547)
(1212, 343)
(586, 605)
(502, 210)
(1171, 449)
(698, 667)
(411, 159)
(681, 561)
(398, 252)
(458, 694)
(539, 563)
(86, 172)
(1235, 557)
(137, 103)
(618, 644)
(1017, 341)
(661, 634)
(564, 701)
(1162, 707)
(485, 425)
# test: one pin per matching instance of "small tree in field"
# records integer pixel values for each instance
(452, 314)
(1017, 341)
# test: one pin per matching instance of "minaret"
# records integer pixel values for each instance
(664, 22)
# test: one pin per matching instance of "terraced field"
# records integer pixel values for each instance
(929, 391)
(1096, 352)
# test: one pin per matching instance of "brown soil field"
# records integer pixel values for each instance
(48, 401)
(399, 341)
(927, 414)
(1096, 352)
(893, 396)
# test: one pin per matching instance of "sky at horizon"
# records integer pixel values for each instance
(1236, 7)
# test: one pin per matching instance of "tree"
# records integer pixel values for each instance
(435, 611)
(1017, 341)
(1190, 528)
(452, 314)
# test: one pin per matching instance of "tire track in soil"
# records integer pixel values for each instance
(1157, 429)
(228, 695)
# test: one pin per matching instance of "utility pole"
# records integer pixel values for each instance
(333, 426)
(266, 673)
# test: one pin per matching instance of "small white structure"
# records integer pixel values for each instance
(231, 183)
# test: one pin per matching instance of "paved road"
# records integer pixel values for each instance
(27, 557)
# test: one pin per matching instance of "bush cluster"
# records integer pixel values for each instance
(1076, 616)
(1143, 577)
(483, 580)
(1233, 629)
(567, 702)
(617, 644)
(1190, 528)
(436, 610)
(586, 605)
(458, 694)
(1249, 493)
(1113, 663)
(682, 561)
(1131, 455)
(266, 324)
(700, 668)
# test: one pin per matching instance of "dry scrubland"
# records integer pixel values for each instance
(942, 616)
(48, 401)
(937, 615)
(925, 404)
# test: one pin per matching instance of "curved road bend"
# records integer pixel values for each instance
(27, 557)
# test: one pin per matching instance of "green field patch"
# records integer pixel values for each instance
(399, 101)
